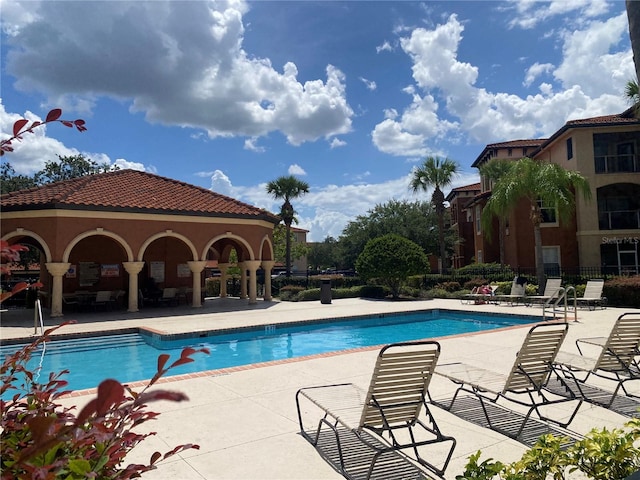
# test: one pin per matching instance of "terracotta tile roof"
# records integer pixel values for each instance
(488, 150)
(131, 191)
(465, 188)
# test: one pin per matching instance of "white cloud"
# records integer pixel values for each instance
(336, 143)
(370, 84)
(534, 71)
(385, 47)
(123, 164)
(220, 183)
(296, 169)
(532, 12)
(180, 63)
(251, 144)
(584, 89)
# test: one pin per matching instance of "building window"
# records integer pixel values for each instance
(548, 213)
(479, 258)
(509, 152)
(569, 148)
(478, 226)
(551, 260)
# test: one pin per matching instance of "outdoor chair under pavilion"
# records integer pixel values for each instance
(617, 362)
(522, 388)
(386, 417)
(592, 296)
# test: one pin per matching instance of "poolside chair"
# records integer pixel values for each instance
(169, 296)
(385, 417)
(103, 299)
(523, 386)
(617, 361)
(592, 296)
(518, 293)
(552, 291)
(475, 296)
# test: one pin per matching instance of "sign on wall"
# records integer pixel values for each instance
(183, 270)
(88, 273)
(110, 270)
(156, 271)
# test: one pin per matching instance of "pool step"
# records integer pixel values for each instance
(83, 344)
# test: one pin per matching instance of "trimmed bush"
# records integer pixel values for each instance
(373, 291)
(623, 291)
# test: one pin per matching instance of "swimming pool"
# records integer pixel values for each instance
(132, 357)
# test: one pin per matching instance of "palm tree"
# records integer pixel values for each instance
(287, 188)
(437, 173)
(632, 92)
(494, 170)
(539, 183)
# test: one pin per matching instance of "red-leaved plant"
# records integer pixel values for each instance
(10, 254)
(41, 439)
(20, 127)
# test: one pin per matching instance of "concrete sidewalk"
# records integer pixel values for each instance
(245, 420)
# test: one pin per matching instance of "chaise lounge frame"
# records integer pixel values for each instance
(523, 386)
(389, 409)
(617, 361)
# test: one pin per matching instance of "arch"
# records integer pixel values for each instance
(233, 237)
(29, 233)
(266, 244)
(167, 233)
(98, 231)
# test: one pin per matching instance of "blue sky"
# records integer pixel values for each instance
(347, 96)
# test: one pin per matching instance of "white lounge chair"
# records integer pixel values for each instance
(524, 385)
(385, 417)
(592, 296)
(552, 290)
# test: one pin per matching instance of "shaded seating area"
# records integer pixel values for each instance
(592, 296)
(524, 387)
(615, 364)
(384, 419)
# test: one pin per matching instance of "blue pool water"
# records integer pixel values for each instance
(132, 357)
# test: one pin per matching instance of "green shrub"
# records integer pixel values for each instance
(623, 291)
(449, 286)
(602, 455)
(308, 295)
(415, 281)
(290, 292)
(373, 291)
(410, 292)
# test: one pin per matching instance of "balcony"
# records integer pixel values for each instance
(627, 163)
(619, 220)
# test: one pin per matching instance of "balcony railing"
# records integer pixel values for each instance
(627, 163)
(619, 220)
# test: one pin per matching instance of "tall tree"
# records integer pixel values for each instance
(494, 170)
(68, 167)
(287, 188)
(10, 181)
(539, 183)
(413, 220)
(437, 173)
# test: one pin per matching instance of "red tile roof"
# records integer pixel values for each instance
(131, 191)
(466, 188)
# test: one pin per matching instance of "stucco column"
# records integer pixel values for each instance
(223, 267)
(196, 269)
(252, 266)
(57, 270)
(133, 269)
(267, 265)
(243, 279)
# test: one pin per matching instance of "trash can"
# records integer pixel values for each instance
(325, 291)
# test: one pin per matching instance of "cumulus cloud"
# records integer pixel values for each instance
(445, 100)
(336, 143)
(179, 63)
(251, 144)
(532, 12)
(296, 169)
(385, 47)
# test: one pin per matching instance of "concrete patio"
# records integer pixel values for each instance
(245, 419)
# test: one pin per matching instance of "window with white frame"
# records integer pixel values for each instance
(549, 213)
(551, 259)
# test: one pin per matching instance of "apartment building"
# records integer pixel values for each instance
(462, 223)
(605, 231)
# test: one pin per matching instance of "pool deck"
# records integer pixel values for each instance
(245, 420)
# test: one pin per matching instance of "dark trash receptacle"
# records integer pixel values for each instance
(325, 291)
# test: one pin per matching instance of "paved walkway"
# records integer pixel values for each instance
(245, 420)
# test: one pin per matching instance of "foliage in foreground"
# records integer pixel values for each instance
(42, 439)
(602, 455)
